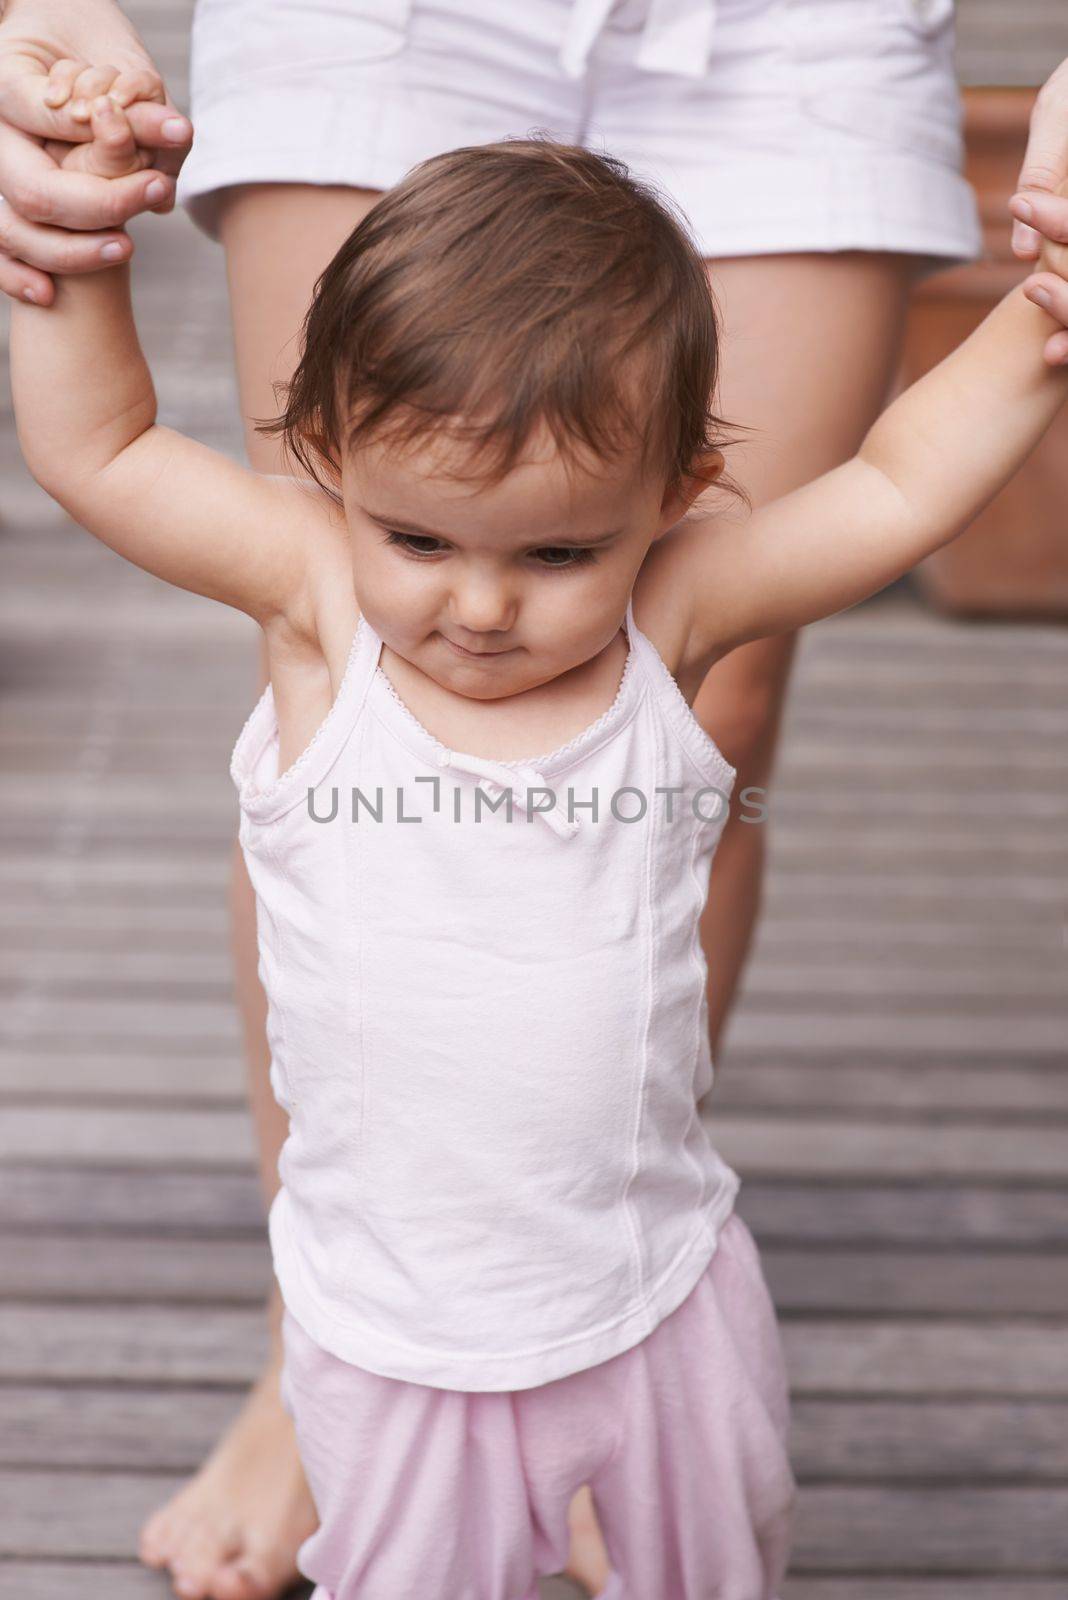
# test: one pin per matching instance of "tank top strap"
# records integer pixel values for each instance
(266, 802)
(675, 710)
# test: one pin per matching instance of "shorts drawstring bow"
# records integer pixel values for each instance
(676, 38)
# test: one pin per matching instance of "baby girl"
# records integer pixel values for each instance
(480, 817)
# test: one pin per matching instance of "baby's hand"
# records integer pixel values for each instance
(80, 84)
(1047, 286)
(100, 96)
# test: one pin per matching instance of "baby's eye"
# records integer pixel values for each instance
(574, 556)
(413, 541)
(558, 558)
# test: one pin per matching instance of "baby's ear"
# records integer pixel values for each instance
(678, 500)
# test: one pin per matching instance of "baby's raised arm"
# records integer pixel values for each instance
(85, 409)
(926, 468)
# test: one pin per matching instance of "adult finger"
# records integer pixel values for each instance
(61, 76)
(24, 101)
(163, 129)
(1044, 214)
(167, 133)
(31, 182)
(1045, 163)
(21, 282)
(40, 249)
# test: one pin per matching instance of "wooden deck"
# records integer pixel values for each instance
(894, 1090)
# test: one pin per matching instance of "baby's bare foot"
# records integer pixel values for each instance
(587, 1560)
(233, 1531)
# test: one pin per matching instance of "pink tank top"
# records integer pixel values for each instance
(488, 1026)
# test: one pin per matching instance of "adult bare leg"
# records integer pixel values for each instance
(233, 1530)
(810, 348)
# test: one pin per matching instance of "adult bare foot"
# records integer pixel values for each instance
(587, 1560)
(234, 1530)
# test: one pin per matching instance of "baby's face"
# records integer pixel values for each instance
(531, 576)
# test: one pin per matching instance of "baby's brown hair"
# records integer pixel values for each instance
(499, 286)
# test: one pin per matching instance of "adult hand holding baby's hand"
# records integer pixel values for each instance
(1048, 284)
(112, 150)
(60, 216)
(1040, 207)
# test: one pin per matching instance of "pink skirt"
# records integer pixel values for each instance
(449, 1495)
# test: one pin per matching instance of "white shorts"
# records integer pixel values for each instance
(775, 125)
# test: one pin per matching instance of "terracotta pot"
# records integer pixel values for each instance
(1013, 559)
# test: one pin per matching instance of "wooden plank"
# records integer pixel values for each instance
(161, 1345)
(846, 1148)
(86, 1515)
(944, 941)
(1035, 1089)
(148, 1430)
(191, 1140)
(71, 922)
(870, 1282)
(98, 1580)
(920, 1587)
(120, 1269)
(951, 1029)
(906, 979)
(933, 1529)
(180, 1021)
(927, 1439)
(970, 1216)
(80, 1200)
(948, 1359)
(216, 1078)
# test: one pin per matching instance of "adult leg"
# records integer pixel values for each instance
(233, 1531)
(810, 348)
